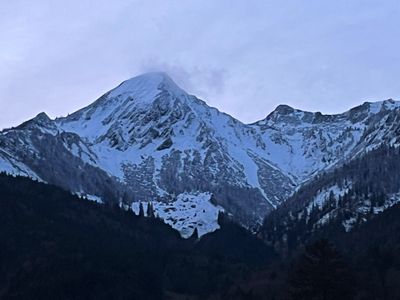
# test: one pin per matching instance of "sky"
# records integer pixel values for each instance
(244, 57)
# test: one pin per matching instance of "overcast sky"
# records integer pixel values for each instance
(243, 57)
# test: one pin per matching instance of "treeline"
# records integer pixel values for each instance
(366, 185)
(369, 253)
(58, 246)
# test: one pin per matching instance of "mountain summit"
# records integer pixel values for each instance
(145, 86)
(147, 140)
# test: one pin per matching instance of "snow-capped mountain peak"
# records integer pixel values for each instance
(117, 112)
(149, 140)
(161, 141)
(146, 87)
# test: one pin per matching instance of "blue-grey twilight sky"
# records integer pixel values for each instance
(242, 56)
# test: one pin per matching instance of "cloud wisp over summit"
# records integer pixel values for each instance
(243, 57)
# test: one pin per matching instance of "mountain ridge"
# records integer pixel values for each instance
(151, 141)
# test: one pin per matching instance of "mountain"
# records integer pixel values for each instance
(304, 143)
(161, 142)
(337, 201)
(150, 141)
(147, 140)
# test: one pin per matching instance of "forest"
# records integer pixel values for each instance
(58, 246)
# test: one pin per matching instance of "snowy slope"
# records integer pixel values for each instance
(148, 140)
(303, 143)
(341, 199)
(161, 141)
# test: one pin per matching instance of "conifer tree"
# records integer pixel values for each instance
(141, 210)
(195, 235)
(150, 210)
(320, 273)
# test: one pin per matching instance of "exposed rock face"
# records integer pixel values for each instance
(304, 143)
(148, 140)
(56, 157)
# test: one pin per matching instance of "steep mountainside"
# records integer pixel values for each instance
(303, 143)
(162, 142)
(38, 149)
(154, 142)
(337, 201)
(148, 140)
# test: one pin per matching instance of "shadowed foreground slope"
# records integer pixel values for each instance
(57, 246)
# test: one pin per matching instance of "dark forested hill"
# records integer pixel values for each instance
(57, 246)
(361, 264)
(356, 207)
(337, 201)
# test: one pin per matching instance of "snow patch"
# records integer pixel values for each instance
(323, 196)
(187, 212)
(90, 197)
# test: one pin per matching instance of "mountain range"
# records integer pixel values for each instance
(148, 141)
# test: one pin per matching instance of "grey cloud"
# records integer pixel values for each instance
(200, 81)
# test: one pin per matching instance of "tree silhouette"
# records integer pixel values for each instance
(141, 210)
(150, 210)
(320, 274)
(195, 234)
